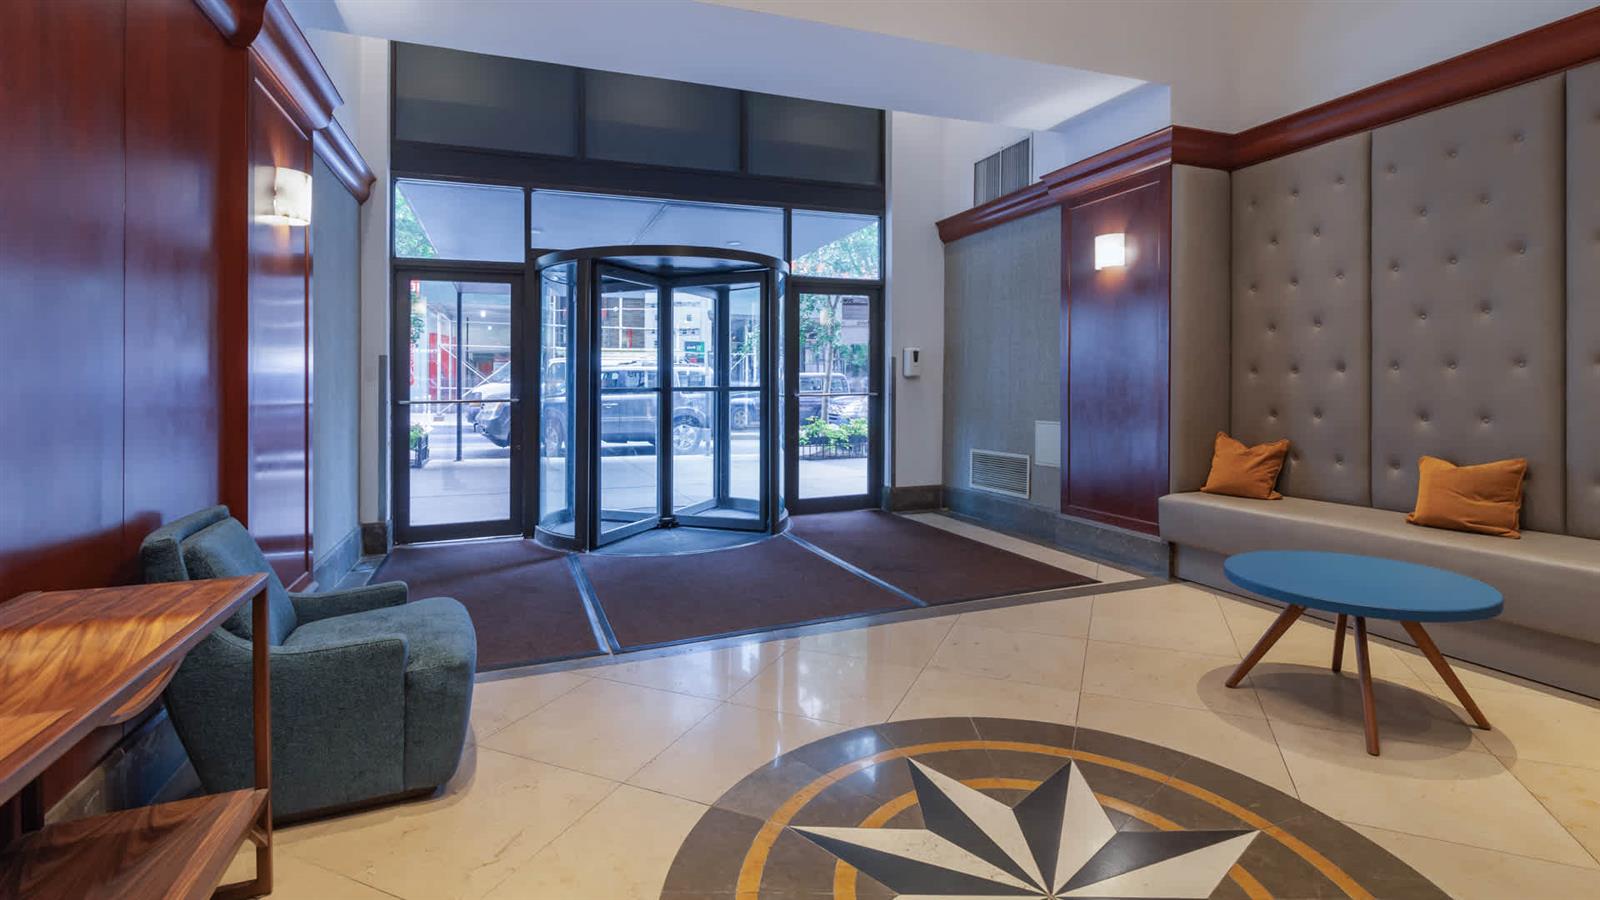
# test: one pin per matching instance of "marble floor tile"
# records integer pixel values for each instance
(1059, 558)
(724, 747)
(1112, 575)
(498, 703)
(494, 815)
(1475, 678)
(296, 879)
(716, 674)
(1536, 725)
(1062, 618)
(1464, 796)
(621, 850)
(1174, 616)
(1174, 677)
(602, 727)
(941, 692)
(1571, 794)
(1244, 744)
(1472, 873)
(1316, 697)
(843, 689)
(898, 643)
(1055, 662)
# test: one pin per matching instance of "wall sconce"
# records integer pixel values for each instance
(285, 197)
(1110, 251)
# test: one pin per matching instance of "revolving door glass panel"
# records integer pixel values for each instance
(658, 405)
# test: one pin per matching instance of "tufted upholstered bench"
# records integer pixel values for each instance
(1549, 630)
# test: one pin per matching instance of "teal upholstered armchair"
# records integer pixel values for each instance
(370, 693)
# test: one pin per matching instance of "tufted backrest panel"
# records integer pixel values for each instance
(1583, 301)
(1467, 300)
(1300, 315)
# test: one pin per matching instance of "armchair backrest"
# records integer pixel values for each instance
(213, 544)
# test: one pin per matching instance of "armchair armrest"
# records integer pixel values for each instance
(329, 604)
(338, 717)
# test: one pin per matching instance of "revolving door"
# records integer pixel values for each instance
(658, 392)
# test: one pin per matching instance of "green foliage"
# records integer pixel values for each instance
(418, 436)
(410, 239)
(853, 256)
(816, 432)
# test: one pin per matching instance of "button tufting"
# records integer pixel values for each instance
(1521, 248)
(1338, 276)
(1294, 282)
(1522, 364)
(1294, 192)
(1452, 259)
(1392, 169)
(1394, 267)
(1339, 368)
(1451, 365)
(1338, 459)
(1484, 199)
(1485, 420)
(1484, 309)
(1316, 414)
(1316, 321)
(1422, 211)
(1340, 180)
(1451, 153)
(1423, 418)
(1517, 137)
(1294, 369)
(1316, 232)
(1394, 366)
(1394, 466)
(1422, 316)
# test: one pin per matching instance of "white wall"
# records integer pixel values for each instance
(1231, 63)
(915, 294)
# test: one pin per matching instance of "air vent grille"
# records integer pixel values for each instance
(1000, 472)
(1002, 172)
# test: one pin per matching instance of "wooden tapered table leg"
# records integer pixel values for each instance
(1285, 619)
(1338, 643)
(1431, 651)
(1369, 707)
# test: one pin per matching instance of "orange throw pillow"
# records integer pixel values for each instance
(1486, 499)
(1242, 471)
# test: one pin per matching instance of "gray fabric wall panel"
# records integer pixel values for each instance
(335, 360)
(1200, 322)
(1467, 305)
(1583, 301)
(1002, 320)
(1301, 315)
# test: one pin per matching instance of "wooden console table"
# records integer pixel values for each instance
(73, 661)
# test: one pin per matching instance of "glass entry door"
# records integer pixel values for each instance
(631, 432)
(455, 412)
(834, 397)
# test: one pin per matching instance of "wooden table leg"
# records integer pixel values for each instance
(1338, 643)
(1285, 619)
(1369, 707)
(1431, 651)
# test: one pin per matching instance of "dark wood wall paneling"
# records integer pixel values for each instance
(273, 474)
(127, 253)
(1115, 326)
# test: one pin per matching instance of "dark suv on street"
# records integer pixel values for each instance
(625, 417)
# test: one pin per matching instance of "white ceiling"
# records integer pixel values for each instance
(720, 45)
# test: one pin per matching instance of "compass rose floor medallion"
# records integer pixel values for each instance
(970, 808)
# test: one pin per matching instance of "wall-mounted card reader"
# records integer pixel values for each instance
(911, 362)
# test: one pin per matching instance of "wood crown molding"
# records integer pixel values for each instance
(336, 149)
(1176, 144)
(1543, 51)
(309, 95)
(238, 20)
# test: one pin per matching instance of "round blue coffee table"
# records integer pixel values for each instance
(1363, 587)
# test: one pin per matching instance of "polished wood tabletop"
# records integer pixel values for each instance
(71, 661)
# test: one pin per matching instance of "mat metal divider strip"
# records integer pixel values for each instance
(603, 635)
(855, 570)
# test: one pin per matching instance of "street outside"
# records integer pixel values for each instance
(477, 487)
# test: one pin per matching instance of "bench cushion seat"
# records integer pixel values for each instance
(1550, 582)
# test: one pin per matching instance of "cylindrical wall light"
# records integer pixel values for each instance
(283, 196)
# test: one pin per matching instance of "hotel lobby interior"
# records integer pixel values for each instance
(799, 449)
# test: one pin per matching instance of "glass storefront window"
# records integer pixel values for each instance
(563, 220)
(835, 245)
(451, 220)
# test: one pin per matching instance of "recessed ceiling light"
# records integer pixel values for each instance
(538, 230)
(736, 243)
(483, 314)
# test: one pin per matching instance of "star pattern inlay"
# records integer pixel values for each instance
(1057, 842)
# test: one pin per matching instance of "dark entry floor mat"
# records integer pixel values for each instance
(522, 597)
(929, 563)
(651, 600)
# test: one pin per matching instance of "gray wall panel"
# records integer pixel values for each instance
(335, 362)
(1200, 323)
(1583, 301)
(1301, 335)
(1467, 300)
(1003, 345)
